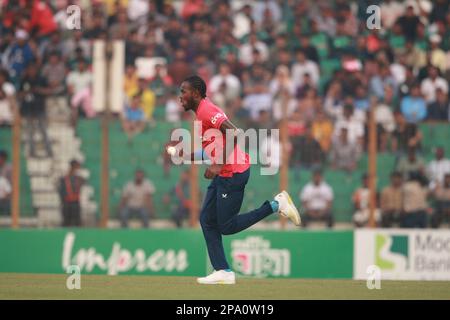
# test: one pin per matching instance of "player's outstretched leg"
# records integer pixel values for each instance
(230, 222)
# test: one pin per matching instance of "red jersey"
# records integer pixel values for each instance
(212, 117)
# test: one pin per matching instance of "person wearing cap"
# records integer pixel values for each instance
(18, 56)
(69, 192)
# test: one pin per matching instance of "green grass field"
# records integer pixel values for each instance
(47, 286)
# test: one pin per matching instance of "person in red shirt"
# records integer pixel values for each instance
(42, 20)
(229, 174)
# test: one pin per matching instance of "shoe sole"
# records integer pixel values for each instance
(296, 218)
(218, 282)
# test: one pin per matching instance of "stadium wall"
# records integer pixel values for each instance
(398, 253)
(289, 254)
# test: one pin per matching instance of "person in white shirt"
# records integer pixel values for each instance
(317, 199)
(242, 21)
(138, 9)
(137, 198)
(173, 108)
(5, 196)
(7, 90)
(79, 86)
(303, 66)
(259, 100)
(390, 11)
(282, 90)
(354, 124)
(259, 8)
(361, 203)
(429, 85)
(5, 85)
(384, 117)
(6, 115)
(438, 168)
(225, 85)
(246, 50)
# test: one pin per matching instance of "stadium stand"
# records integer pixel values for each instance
(353, 63)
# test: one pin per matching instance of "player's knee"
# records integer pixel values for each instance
(226, 228)
(203, 221)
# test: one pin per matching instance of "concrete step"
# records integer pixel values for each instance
(39, 166)
(49, 217)
(24, 222)
(46, 200)
(42, 184)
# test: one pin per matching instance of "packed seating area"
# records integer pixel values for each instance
(329, 62)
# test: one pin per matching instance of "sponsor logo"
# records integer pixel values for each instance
(403, 254)
(391, 252)
(216, 117)
(254, 256)
(122, 260)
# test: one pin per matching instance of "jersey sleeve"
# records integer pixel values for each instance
(213, 116)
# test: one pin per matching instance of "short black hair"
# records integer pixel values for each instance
(3, 154)
(74, 162)
(198, 84)
(317, 171)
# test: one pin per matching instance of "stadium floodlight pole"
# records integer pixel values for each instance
(284, 169)
(194, 209)
(105, 141)
(15, 175)
(372, 162)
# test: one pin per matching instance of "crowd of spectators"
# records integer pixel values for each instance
(317, 63)
(417, 197)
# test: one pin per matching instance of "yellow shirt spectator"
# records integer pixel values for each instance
(130, 84)
(439, 59)
(148, 100)
(322, 130)
(111, 6)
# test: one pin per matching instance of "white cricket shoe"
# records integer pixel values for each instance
(287, 208)
(218, 277)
